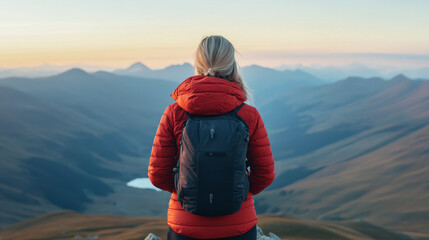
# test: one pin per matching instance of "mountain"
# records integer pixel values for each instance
(69, 224)
(135, 69)
(176, 73)
(355, 149)
(266, 83)
(70, 140)
(45, 70)
(335, 73)
(100, 93)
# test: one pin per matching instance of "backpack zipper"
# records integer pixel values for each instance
(212, 133)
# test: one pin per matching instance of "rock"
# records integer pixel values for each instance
(259, 235)
(259, 232)
(273, 236)
(152, 236)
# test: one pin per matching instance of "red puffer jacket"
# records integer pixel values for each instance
(207, 95)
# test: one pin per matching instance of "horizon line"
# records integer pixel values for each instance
(256, 54)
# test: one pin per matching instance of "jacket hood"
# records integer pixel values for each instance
(206, 95)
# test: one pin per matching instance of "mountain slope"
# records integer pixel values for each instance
(353, 149)
(32, 134)
(73, 140)
(67, 224)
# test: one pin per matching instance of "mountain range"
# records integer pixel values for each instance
(355, 149)
(69, 139)
(176, 72)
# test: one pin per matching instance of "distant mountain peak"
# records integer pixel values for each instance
(185, 64)
(74, 72)
(400, 77)
(138, 67)
(256, 66)
(188, 65)
(300, 71)
(296, 71)
(179, 66)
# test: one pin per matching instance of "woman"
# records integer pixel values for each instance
(216, 88)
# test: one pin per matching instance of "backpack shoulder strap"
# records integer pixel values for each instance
(237, 108)
(235, 113)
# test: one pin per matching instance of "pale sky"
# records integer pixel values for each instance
(160, 33)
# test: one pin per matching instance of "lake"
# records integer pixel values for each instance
(142, 183)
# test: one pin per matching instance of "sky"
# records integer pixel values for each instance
(159, 33)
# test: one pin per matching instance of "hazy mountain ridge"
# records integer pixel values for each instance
(328, 73)
(176, 73)
(264, 81)
(334, 73)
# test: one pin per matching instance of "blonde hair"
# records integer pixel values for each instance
(215, 57)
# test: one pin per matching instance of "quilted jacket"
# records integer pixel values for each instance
(207, 95)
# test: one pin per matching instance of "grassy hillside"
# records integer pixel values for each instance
(356, 149)
(69, 140)
(68, 224)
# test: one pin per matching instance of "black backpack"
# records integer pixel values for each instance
(211, 173)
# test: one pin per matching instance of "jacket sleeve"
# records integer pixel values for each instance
(164, 149)
(260, 158)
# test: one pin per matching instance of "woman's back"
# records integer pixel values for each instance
(209, 95)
